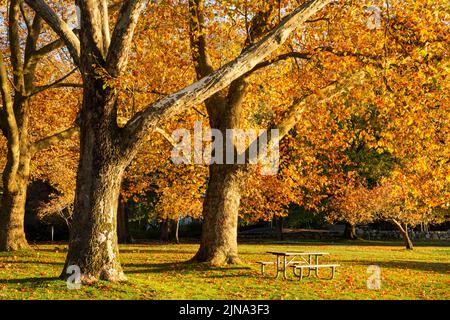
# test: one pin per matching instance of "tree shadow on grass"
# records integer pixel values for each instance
(31, 281)
(51, 250)
(139, 249)
(246, 276)
(440, 267)
(34, 262)
(150, 250)
(184, 266)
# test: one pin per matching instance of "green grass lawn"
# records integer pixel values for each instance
(159, 271)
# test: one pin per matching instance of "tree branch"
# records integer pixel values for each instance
(135, 130)
(295, 111)
(59, 26)
(166, 136)
(259, 25)
(4, 87)
(30, 47)
(122, 36)
(25, 18)
(14, 44)
(56, 83)
(53, 139)
(42, 52)
(105, 26)
(281, 57)
(9, 123)
(203, 66)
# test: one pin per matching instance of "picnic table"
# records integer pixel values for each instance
(298, 261)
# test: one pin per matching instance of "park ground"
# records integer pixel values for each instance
(160, 271)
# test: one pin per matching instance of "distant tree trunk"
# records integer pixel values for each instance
(164, 229)
(176, 226)
(279, 227)
(123, 233)
(403, 229)
(350, 231)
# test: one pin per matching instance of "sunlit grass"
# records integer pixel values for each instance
(160, 271)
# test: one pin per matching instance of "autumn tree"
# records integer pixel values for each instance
(409, 104)
(106, 149)
(28, 44)
(394, 123)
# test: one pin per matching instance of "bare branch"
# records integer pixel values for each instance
(25, 18)
(105, 25)
(199, 112)
(42, 52)
(57, 83)
(30, 48)
(67, 85)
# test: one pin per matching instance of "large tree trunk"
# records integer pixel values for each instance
(93, 240)
(93, 245)
(223, 196)
(220, 212)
